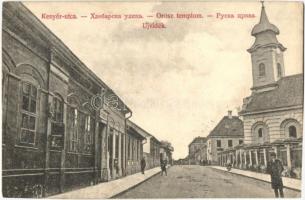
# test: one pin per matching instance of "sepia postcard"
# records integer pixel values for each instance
(152, 99)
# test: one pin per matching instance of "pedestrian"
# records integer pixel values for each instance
(275, 169)
(143, 164)
(163, 167)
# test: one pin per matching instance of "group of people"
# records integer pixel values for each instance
(163, 164)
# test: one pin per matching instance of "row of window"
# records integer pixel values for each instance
(79, 123)
(262, 70)
(292, 132)
(230, 143)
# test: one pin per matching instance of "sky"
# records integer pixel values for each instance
(178, 81)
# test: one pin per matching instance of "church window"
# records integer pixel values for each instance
(292, 131)
(260, 132)
(262, 70)
(279, 70)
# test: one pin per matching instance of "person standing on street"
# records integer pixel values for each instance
(143, 164)
(275, 169)
(163, 167)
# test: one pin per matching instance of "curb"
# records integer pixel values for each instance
(298, 190)
(122, 192)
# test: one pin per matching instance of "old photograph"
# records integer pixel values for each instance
(152, 99)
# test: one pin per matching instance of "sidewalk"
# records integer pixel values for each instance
(109, 189)
(290, 183)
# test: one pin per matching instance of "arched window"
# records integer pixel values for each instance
(291, 128)
(292, 131)
(260, 132)
(279, 70)
(261, 70)
(28, 113)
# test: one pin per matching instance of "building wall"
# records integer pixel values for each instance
(194, 152)
(17, 154)
(212, 148)
(134, 154)
(146, 146)
(274, 122)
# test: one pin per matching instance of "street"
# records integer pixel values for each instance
(203, 182)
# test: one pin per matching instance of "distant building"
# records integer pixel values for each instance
(273, 114)
(196, 151)
(227, 134)
(151, 146)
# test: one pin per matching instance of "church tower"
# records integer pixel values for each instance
(266, 55)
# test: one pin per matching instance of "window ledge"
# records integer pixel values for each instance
(26, 147)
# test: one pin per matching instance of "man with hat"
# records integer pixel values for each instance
(275, 169)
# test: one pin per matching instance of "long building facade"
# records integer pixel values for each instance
(63, 127)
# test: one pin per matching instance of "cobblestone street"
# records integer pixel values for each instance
(202, 182)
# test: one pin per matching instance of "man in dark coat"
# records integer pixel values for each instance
(275, 169)
(163, 167)
(143, 164)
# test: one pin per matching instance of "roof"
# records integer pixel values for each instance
(135, 133)
(140, 130)
(264, 24)
(288, 93)
(43, 33)
(199, 140)
(228, 127)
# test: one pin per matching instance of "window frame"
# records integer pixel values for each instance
(260, 133)
(218, 143)
(295, 131)
(279, 70)
(261, 70)
(74, 136)
(230, 142)
(58, 100)
(88, 136)
(28, 112)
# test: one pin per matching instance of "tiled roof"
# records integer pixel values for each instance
(228, 127)
(289, 92)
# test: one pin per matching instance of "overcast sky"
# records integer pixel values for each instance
(179, 81)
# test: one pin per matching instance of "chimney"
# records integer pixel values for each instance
(230, 114)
